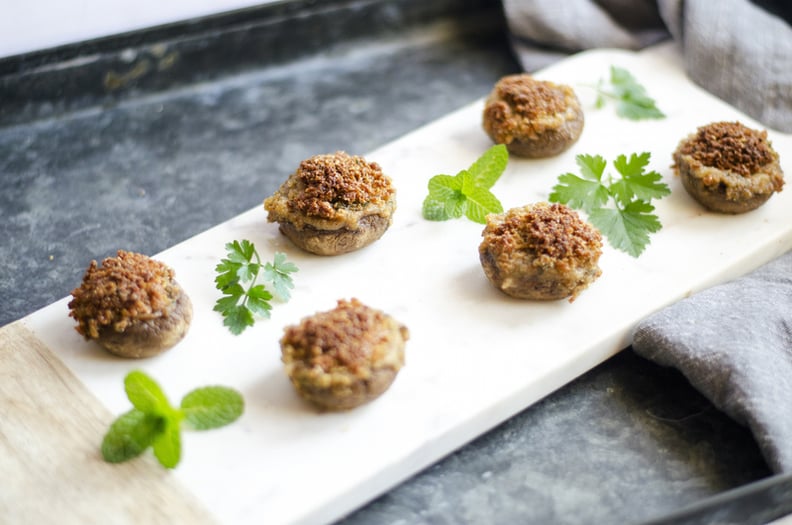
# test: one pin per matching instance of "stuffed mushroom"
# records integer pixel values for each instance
(333, 204)
(131, 305)
(344, 357)
(533, 118)
(541, 251)
(728, 167)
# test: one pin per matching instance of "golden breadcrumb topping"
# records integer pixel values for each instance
(344, 337)
(554, 233)
(531, 98)
(521, 107)
(729, 146)
(323, 184)
(128, 287)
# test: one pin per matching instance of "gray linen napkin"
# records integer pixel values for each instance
(739, 50)
(733, 342)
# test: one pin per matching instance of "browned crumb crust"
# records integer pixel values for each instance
(728, 167)
(333, 193)
(131, 304)
(533, 118)
(344, 357)
(541, 251)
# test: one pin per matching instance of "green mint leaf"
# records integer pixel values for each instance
(488, 168)
(467, 193)
(130, 435)
(448, 190)
(279, 274)
(136, 430)
(579, 193)
(238, 318)
(434, 210)
(212, 407)
(145, 394)
(443, 186)
(258, 299)
(167, 445)
(481, 202)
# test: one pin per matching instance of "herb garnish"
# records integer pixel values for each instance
(468, 192)
(632, 100)
(628, 223)
(239, 304)
(154, 422)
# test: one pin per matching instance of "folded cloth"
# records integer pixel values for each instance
(739, 50)
(733, 342)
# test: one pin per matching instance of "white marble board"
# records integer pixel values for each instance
(475, 357)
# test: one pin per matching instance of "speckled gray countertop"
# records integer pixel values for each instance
(145, 158)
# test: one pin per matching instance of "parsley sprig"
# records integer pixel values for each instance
(628, 222)
(632, 100)
(154, 422)
(243, 299)
(468, 192)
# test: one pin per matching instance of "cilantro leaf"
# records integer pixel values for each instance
(278, 272)
(628, 229)
(635, 182)
(629, 221)
(591, 166)
(632, 100)
(579, 193)
(467, 193)
(150, 424)
(258, 300)
(242, 297)
(237, 318)
(212, 407)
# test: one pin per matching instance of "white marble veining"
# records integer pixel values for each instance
(475, 356)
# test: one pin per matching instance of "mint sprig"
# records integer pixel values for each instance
(154, 422)
(236, 277)
(629, 220)
(632, 100)
(468, 192)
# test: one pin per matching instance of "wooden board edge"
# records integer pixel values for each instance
(51, 428)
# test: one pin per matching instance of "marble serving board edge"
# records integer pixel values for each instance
(475, 357)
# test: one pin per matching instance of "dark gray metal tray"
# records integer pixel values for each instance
(146, 139)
